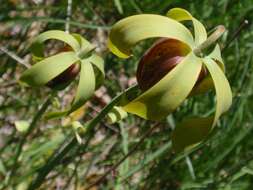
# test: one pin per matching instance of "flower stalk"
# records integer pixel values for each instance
(53, 161)
(210, 40)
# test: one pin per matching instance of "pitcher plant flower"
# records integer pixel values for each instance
(173, 69)
(57, 71)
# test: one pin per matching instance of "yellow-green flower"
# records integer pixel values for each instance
(59, 70)
(161, 97)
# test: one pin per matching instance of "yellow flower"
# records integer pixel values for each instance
(57, 71)
(162, 95)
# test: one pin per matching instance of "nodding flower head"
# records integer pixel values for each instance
(173, 69)
(59, 70)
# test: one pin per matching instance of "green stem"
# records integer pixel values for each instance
(55, 159)
(210, 40)
(32, 126)
(245, 23)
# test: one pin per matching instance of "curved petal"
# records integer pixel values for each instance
(47, 69)
(181, 15)
(195, 130)
(127, 32)
(216, 55)
(207, 83)
(166, 95)
(37, 44)
(116, 114)
(86, 86)
(191, 131)
(85, 45)
(98, 62)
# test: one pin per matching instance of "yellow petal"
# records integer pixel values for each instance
(166, 95)
(207, 83)
(182, 15)
(195, 130)
(37, 44)
(86, 86)
(222, 88)
(216, 55)
(129, 31)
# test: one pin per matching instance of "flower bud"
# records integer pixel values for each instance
(160, 59)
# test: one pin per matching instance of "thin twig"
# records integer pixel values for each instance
(69, 12)
(95, 12)
(56, 20)
(14, 56)
(236, 33)
(32, 126)
(73, 174)
(102, 178)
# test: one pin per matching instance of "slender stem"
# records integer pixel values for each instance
(14, 56)
(115, 166)
(243, 24)
(32, 126)
(53, 161)
(56, 20)
(210, 40)
(69, 11)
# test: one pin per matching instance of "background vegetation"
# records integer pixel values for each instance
(225, 161)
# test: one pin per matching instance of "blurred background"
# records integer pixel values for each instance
(225, 161)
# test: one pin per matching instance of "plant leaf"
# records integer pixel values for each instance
(182, 15)
(47, 69)
(86, 86)
(166, 95)
(127, 32)
(118, 6)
